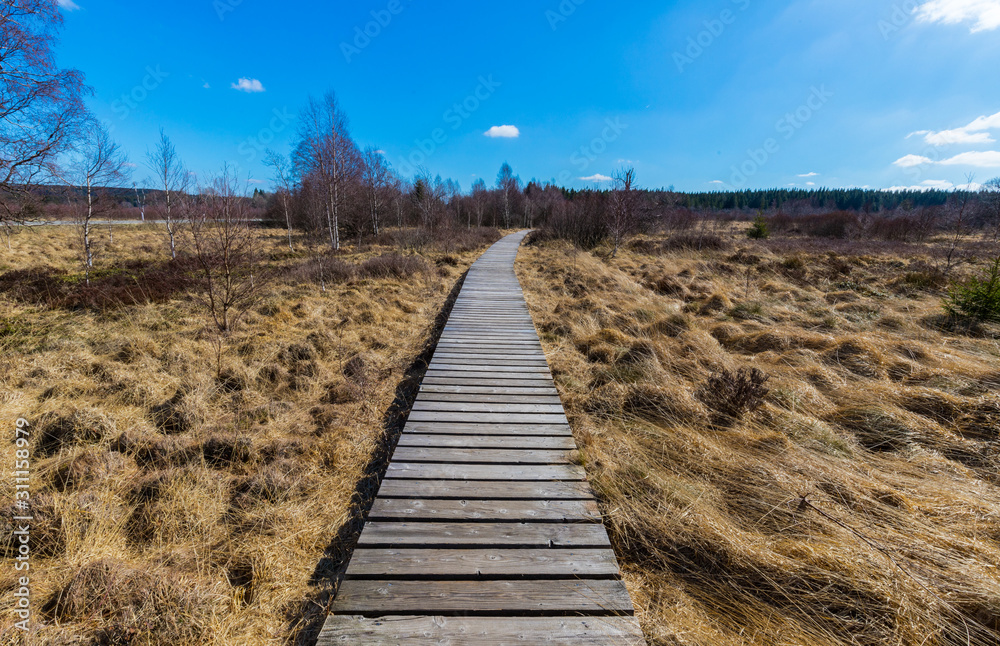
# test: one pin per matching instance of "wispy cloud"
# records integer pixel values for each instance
(206, 85)
(984, 14)
(976, 132)
(68, 5)
(596, 178)
(248, 85)
(978, 159)
(716, 181)
(809, 175)
(503, 132)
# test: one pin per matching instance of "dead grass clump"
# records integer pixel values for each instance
(607, 400)
(672, 325)
(669, 286)
(934, 404)
(715, 304)
(179, 414)
(859, 357)
(48, 531)
(273, 483)
(876, 428)
(227, 450)
(86, 468)
(82, 426)
(981, 421)
(119, 602)
(664, 405)
(393, 265)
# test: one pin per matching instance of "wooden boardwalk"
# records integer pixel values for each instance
(484, 530)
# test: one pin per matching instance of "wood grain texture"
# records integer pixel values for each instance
(481, 631)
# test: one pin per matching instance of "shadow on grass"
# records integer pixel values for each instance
(306, 621)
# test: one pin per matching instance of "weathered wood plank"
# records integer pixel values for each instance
(486, 490)
(382, 598)
(560, 443)
(417, 563)
(486, 407)
(488, 390)
(461, 428)
(425, 396)
(479, 510)
(424, 471)
(488, 418)
(481, 631)
(480, 455)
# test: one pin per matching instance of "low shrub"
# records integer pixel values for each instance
(735, 394)
(979, 297)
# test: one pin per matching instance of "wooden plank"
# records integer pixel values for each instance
(480, 456)
(479, 366)
(415, 426)
(424, 534)
(423, 563)
(451, 378)
(564, 443)
(488, 399)
(485, 407)
(423, 471)
(488, 418)
(416, 509)
(488, 390)
(382, 598)
(481, 631)
(486, 490)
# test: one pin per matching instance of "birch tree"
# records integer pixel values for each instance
(172, 178)
(98, 163)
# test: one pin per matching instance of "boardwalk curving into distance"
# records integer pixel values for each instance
(484, 531)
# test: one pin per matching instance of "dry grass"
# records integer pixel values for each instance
(859, 505)
(175, 506)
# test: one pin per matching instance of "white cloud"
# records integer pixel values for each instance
(810, 183)
(255, 181)
(984, 13)
(909, 161)
(206, 85)
(68, 5)
(981, 159)
(810, 175)
(503, 132)
(248, 85)
(716, 181)
(974, 133)
(596, 178)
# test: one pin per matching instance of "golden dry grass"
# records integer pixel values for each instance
(859, 505)
(173, 506)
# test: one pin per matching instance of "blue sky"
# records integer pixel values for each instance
(698, 95)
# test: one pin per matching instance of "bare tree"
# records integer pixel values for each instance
(480, 198)
(959, 220)
(377, 181)
(623, 217)
(97, 164)
(326, 151)
(174, 180)
(508, 185)
(140, 198)
(283, 182)
(41, 106)
(227, 250)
